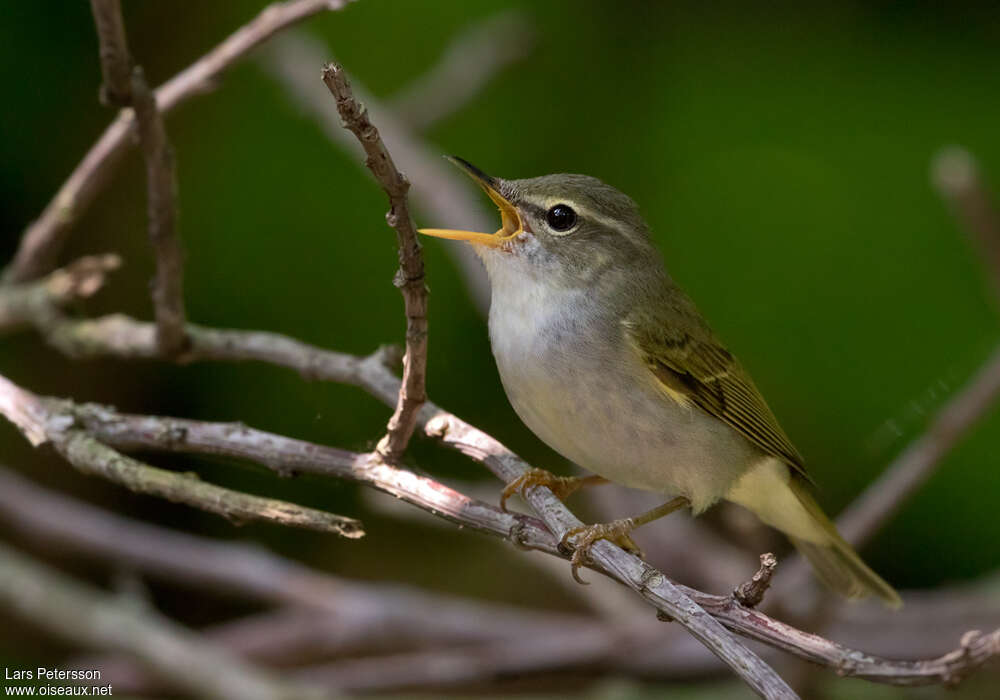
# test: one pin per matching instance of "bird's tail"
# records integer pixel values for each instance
(782, 500)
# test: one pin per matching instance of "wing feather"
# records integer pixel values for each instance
(691, 365)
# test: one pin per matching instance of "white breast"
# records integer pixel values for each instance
(594, 401)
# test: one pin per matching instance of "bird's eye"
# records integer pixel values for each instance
(561, 217)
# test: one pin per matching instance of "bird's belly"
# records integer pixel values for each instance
(601, 408)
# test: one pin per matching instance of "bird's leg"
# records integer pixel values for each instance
(616, 531)
(561, 486)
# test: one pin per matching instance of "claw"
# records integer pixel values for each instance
(616, 531)
(561, 486)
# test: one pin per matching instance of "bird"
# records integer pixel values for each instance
(606, 359)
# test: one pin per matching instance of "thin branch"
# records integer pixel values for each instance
(125, 86)
(669, 599)
(457, 666)
(116, 64)
(44, 238)
(751, 593)
(361, 613)
(290, 636)
(957, 178)
(51, 421)
(288, 456)
(180, 657)
(439, 191)
(469, 62)
(124, 337)
(147, 432)
(604, 597)
(409, 278)
(37, 303)
(161, 193)
(882, 499)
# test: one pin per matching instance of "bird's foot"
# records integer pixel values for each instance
(561, 486)
(617, 531)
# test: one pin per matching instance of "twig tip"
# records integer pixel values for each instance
(953, 170)
(751, 593)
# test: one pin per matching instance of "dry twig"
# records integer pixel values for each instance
(44, 237)
(410, 277)
(281, 454)
(467, 64)
(116, 64)
(332, 614)
(161, 193)
(751, 593)
(181, 658)
(438, 190)
(37, 303)
(955, 175)
(125, 86)
(880, 501)
(957, 178)
(59, 422)
(51, 421)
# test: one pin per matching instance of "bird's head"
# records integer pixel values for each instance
(569, 227)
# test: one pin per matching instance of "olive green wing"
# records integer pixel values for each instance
(692, 367)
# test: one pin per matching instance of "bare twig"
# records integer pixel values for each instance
(288, 636)
(409, 278)
(751, 593)
(116, 64)
(360, 613)
(37, 303)
(161, 193)
(604, 597)
(49, 421)
(468, 63)
(865, 516)
(181, 658)
(44, 238)
(439, 191)
(150, 432)
(125, 86)
(287, 455)
(449, 667)
(957, 178)
(669, 599)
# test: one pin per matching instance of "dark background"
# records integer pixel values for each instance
(781, 156)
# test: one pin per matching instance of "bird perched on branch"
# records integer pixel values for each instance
(611, 364)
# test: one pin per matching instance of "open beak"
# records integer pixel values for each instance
(510, 219)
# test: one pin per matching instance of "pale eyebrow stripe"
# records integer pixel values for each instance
(540, 207)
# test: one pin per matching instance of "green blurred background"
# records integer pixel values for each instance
(781, 156)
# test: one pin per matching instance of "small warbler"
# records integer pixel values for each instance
(605, 358)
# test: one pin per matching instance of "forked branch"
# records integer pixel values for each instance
(51, 421)
(125, 86)
(43, 239)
